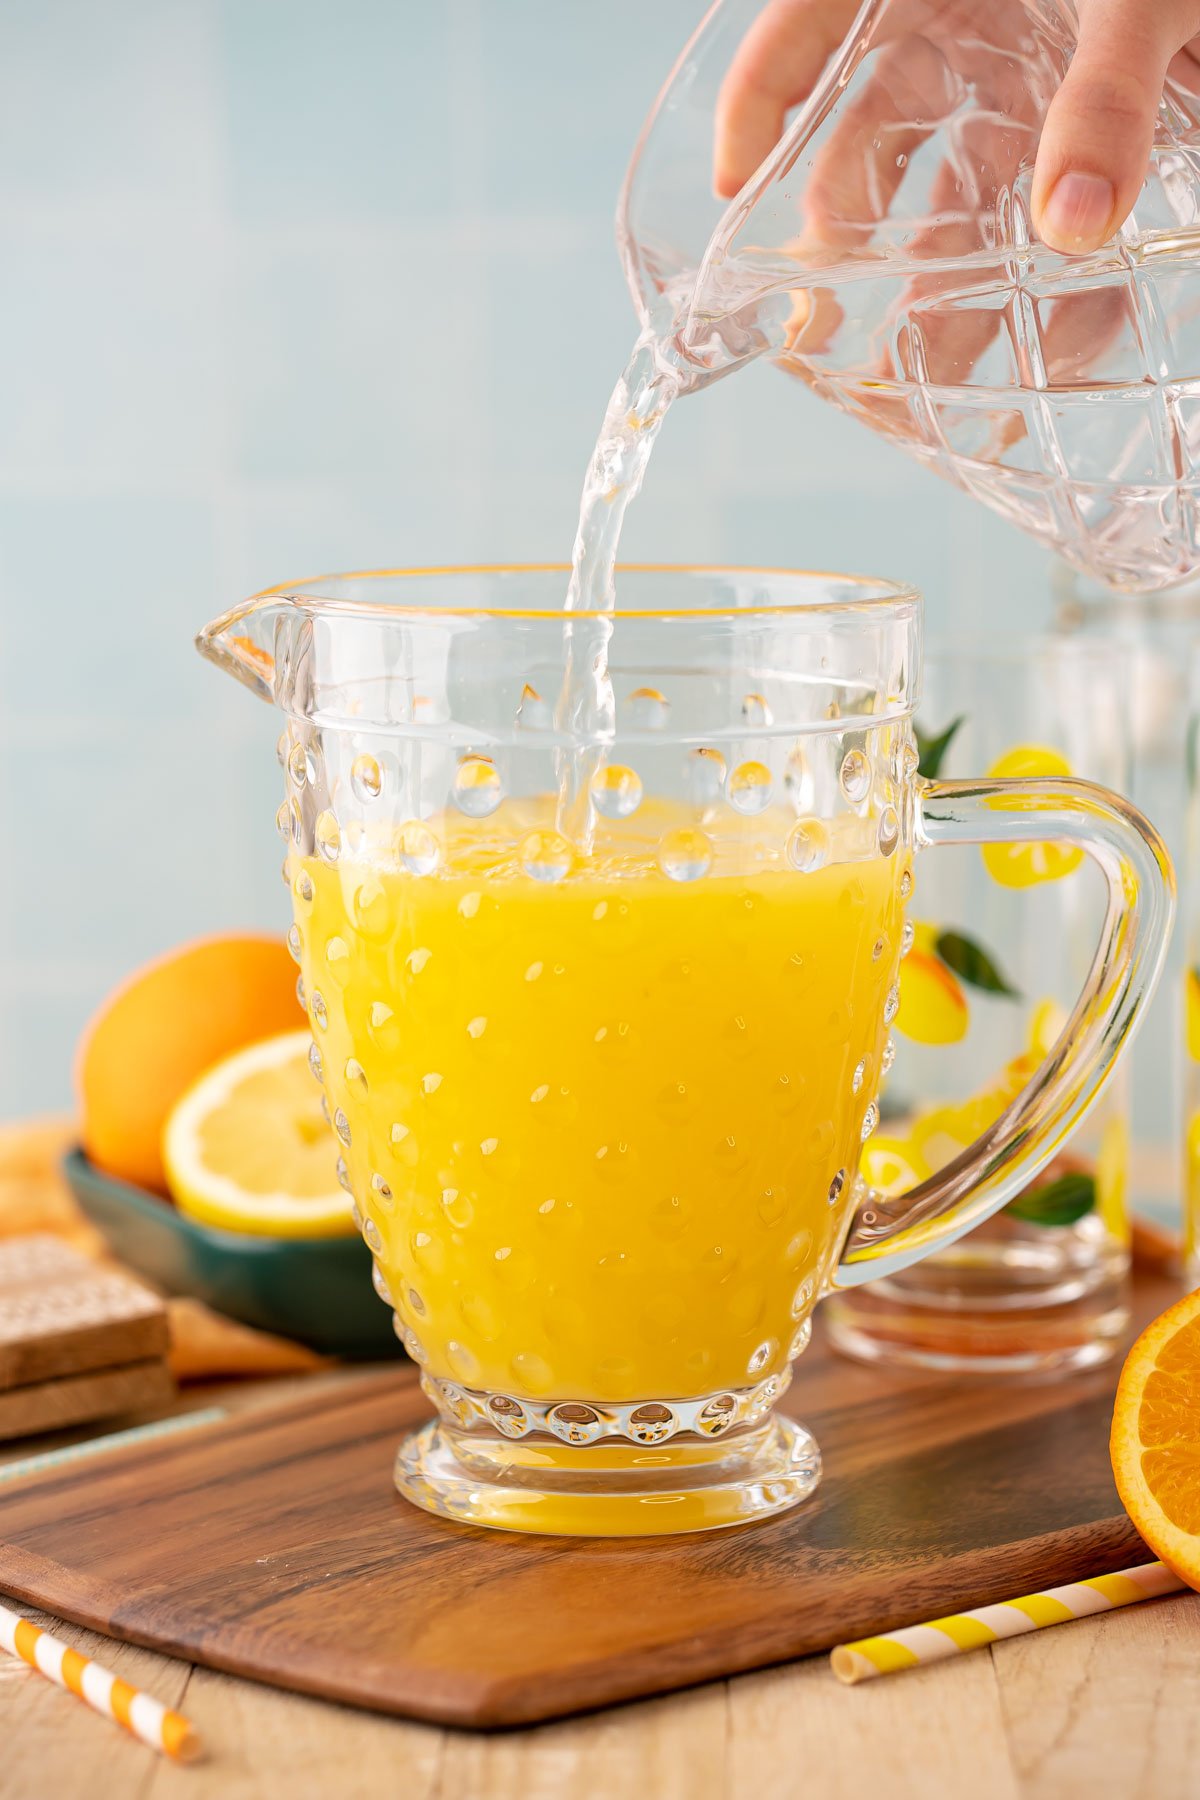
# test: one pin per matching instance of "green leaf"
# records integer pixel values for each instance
(972, 964)
(1059, 1202)
(931, 750)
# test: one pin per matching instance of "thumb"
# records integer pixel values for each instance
(1096, 140)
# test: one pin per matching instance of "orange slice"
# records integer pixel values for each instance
(1155, 1442)
(1023, 865)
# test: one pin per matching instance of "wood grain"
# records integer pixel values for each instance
(273, 1545)
(1111, 1709)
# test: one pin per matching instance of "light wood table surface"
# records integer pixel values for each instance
(1105, 1706)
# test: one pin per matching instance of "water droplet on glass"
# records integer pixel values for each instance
(337, 960)
(749, 787)
(545, 855)
(836, 1186)
(410, 1340)
(801, 1338)
(294, 942)
(906, 884)
(477, 787)
(685, 855)
(889, 1056)
(878, 948)
(616, 791)
(315, 1063)
(431, 1083)
(889, 830)
(802, 1298)
(808, 846)
(760, 1357)
(304, 887)
(301, 994)
(416, 1302)
(343, 1174)
(756, 712)
(533, 712)
(856, 1080)
(341, 1125)
(891, 1005)
(704, 777)
(356, 1076)
(463, 1362)
(298, 764)
(366, 777)
(855, 776)
(281, 749)
(648, 708)
(910, 761)
(797, 779)
(417, 847)
(328, 836)
(457, 1207)
(870, 1121)
(476, 1027)
(379, 1282)
(371, 1232)
(355, 1215)
(283, 821)
(320, 1011)
(907, 936)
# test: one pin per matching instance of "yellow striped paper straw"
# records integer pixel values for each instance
(105, 1693)
(1009, 1618)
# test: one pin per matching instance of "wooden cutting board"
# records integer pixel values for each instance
(273, 1545)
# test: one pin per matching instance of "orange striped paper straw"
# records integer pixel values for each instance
(104, 1692)
(915, 1644)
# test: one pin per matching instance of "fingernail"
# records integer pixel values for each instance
(1077, 213)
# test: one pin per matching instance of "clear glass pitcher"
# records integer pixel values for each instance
(884, 253)
(601, 1110)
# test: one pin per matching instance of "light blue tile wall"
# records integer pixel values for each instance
(290, 285)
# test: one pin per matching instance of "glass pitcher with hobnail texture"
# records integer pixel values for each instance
(884, 253)
(600, 1102)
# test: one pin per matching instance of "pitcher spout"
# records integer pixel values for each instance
(242, 642)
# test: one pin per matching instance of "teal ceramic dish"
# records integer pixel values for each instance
(316, 1290)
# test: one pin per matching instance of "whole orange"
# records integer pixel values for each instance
(161, 1029)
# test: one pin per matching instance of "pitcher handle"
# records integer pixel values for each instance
(888, 1235)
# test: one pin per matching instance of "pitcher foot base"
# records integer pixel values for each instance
(479, 1480)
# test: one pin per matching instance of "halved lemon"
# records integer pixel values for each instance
(247, 1147)
(933, 1006)
(1155, 1441)
(1192, 980)
(891, 1166)
(1023, 865)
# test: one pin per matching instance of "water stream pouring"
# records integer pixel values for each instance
(884, 253)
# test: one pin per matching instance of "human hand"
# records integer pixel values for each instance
(1096, 134)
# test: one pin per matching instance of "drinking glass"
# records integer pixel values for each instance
(1002, 939)
(1155, 636)
(600, 1098)
(1190, 981)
